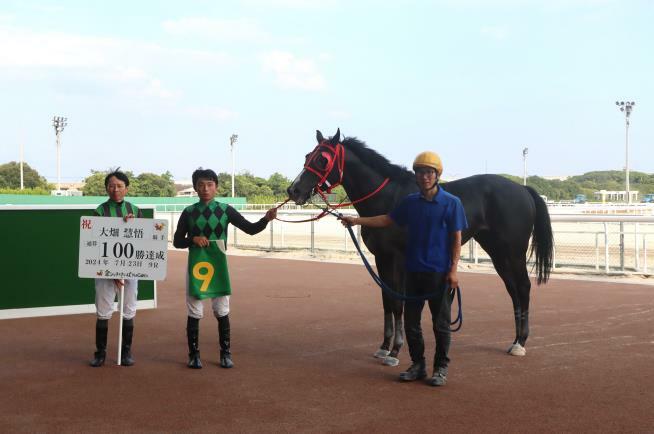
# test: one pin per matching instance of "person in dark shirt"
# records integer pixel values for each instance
(199, 225)
(116, 183)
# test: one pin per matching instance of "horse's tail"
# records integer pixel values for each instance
(542, 239)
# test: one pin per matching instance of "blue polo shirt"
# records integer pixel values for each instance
(429, 224)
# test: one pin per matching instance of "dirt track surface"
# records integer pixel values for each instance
(303, 336)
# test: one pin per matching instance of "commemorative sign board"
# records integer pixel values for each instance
(111, 248)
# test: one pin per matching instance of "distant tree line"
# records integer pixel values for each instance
(273, 189)
(589, 183)
(32, 181)
(145, 184)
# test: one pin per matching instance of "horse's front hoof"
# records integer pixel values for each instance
(517, 350)
(381, 353)
(391, 361)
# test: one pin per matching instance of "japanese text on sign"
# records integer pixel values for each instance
(111, 248)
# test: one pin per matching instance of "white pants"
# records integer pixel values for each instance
(220, 305)
(105, 295)
(195, 307)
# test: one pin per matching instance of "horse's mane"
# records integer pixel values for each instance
(376, 161)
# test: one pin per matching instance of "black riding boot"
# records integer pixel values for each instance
(126, 349)
(224, 341)
(101, 328)
(192, 333)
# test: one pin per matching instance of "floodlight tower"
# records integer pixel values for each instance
(524, 161)
(626, 108)
(233, 138)
(59, 123)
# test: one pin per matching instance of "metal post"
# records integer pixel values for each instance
(553, 257)
(476, 251)
(622, 246)
(59, 123)
(21, 166)
(58, 163)
(272, 237)
(606, 248)
(626, 108)
(233, 138)
(235, 239)
(312, 237)
(636, 252)
(644, 253)
(596, 251)
(524, 160)
(281, 234)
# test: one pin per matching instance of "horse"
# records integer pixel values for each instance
(502, 217)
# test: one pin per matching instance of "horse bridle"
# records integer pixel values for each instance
(335, 156)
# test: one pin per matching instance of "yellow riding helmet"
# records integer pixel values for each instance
(429, 159)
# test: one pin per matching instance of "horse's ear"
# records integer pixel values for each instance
(337, 137)
(319, 136)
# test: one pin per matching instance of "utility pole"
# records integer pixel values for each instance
(524, 161)
(59, 123)
(233, 138)
(626, 108)
(22, 187)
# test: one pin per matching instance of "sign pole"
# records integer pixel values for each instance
(120, 327)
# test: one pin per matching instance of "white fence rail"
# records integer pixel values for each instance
(594, 243)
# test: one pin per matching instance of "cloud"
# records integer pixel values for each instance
(122, 63)
(218, 29)
(291, 72)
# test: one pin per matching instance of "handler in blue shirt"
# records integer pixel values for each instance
(434, 220)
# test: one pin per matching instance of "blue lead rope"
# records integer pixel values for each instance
(397, 295)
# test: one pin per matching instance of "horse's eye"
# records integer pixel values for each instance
(320, 162)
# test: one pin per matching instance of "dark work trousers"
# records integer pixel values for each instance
(440, 306)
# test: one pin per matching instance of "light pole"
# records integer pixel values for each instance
(524, 161)
(21, 166)
(59, 123)
(233, 138)
(626, 108)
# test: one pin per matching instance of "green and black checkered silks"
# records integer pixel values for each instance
(210, 221)
(113, 209)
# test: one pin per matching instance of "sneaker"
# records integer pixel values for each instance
(415, 372)
(439, 378)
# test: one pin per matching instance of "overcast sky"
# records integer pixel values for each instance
(161, 85)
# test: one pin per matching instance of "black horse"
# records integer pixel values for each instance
(502, 217)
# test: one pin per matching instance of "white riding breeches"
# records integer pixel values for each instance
(105, 295)
(195, 307)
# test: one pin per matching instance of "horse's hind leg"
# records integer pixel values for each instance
(524, 289)
(513, 272)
